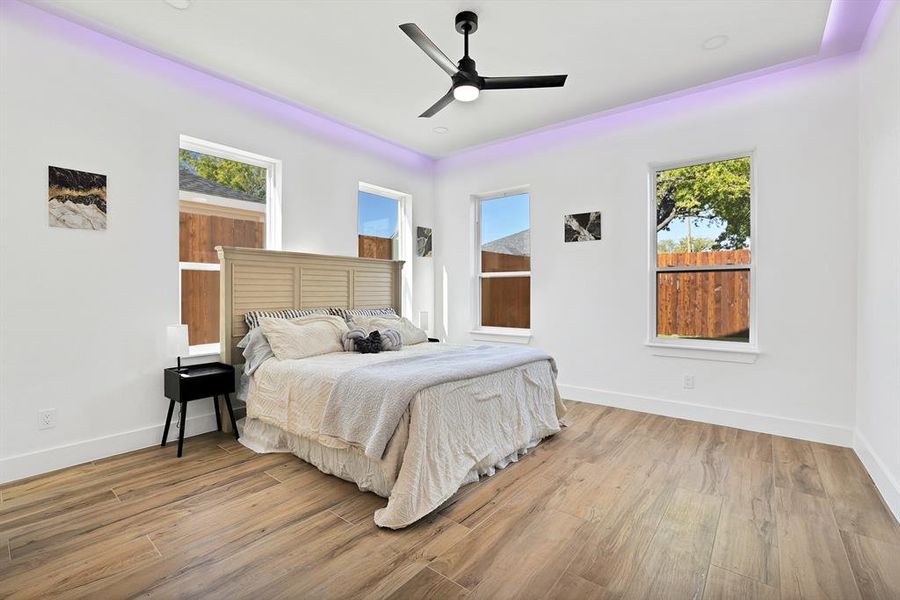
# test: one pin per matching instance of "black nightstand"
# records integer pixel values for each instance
(208, 380)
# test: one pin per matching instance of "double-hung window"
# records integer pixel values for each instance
(702, 266)
(384, 230)
(378, 224)
(503, 251)
(226, 197)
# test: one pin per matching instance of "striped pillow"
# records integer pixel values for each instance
(348, 313)
(252, 317)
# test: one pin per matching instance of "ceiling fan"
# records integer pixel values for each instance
(467, 83)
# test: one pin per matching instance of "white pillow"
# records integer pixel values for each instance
(409, 333)
(303, 337)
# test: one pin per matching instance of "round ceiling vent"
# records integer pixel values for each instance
(178, 4)
(715, 42)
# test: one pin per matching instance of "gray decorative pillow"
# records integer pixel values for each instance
(391, 340)
(252, 317)
(256, 350)
(349, 338)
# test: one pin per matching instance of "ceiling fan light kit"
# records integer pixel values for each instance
(466, 82)
(465, 92)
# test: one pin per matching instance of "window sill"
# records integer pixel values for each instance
(204, 350)
(500, 334)
(746, 355)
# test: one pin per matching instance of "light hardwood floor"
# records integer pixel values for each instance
(618, 505)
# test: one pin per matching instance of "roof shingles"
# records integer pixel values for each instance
(188, 182)
(517, 244)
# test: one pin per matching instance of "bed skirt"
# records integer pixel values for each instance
(350, 464)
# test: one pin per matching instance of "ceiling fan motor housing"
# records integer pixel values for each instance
(467, 66)
(466, 19)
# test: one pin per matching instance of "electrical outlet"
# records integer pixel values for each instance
(688, 382)
(47, 418)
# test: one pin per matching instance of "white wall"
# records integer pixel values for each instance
(83, 313)
(878, 338)
(589, 300)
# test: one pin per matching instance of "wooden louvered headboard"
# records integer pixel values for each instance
(253, 279)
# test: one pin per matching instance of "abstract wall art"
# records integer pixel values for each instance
(76, 199)
(423, 241)
(582, 227)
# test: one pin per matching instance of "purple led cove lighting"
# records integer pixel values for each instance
(879, 19)
(845, 29)
(175, 73)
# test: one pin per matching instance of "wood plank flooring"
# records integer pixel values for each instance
(620, 504)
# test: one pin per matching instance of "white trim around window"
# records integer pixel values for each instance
(479, 331)
(272, 209)
(702, 349)
(405, 235)
(273, 169)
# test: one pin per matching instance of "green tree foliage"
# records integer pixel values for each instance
(718, 192)
(236, 175)
(697, 245)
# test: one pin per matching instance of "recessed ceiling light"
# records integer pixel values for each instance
(179, 4)
(441, 130)
(715, 42)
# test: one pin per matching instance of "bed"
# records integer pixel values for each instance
(446, 435)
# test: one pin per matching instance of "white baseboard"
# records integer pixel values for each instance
(20, 466)
(804, 430)
(884, 481)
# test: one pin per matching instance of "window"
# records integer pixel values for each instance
(378, 232)
(504, 260)
(703, 264)
(226, 197)
(384, 230)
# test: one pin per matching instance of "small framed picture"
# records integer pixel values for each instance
(76, 199)
(582, 227)
(423, 241)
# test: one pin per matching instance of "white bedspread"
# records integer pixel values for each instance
(449, 431)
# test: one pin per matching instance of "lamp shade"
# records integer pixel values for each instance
(176, 340)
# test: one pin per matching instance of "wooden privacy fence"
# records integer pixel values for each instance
(200, 234)
(712, 304)
(371, 246)
(505, 301)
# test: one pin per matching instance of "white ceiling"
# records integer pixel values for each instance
(349, 59)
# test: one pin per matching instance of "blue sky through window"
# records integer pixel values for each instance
(377, 215)
(503, 216)
(700, 228)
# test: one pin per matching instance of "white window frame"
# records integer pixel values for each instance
(273, 169)
(698, 348)
(492, 333)
(404, 237)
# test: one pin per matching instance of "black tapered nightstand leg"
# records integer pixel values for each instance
(168, 420)
(218, 415)
(181, 427)
(231, 415)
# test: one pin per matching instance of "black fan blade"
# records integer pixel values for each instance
(428, 47)
(516, 83)
(437, 106)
